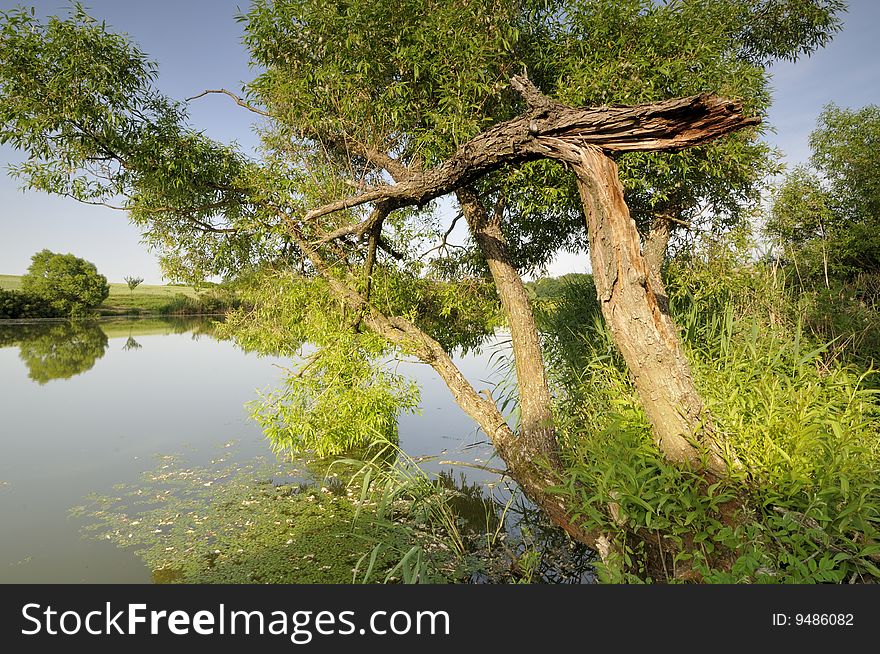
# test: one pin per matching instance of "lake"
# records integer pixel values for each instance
(87, 406)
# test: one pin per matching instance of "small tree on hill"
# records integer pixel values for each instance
(133, 282)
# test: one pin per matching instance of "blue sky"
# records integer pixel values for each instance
(197, 45)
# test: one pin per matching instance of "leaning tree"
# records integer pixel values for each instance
(371, 114)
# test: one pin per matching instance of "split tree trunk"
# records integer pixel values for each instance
(537, 434)
(642, 329)
(628, 293)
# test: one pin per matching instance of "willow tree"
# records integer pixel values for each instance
(372, 112)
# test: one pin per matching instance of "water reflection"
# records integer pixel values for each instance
(83, 433)
(56, 350)
(64, 349)
(105, 424)
(131, 344)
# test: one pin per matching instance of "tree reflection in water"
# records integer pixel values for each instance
(58, 350)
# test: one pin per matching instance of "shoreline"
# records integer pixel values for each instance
(100, 318)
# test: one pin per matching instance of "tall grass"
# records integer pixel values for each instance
(804, 507)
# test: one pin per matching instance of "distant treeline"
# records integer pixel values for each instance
(554, 287)
(22, 305)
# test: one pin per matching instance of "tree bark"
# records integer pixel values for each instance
(642, 329)
(654, 251)
(536, 418)
(656, 243)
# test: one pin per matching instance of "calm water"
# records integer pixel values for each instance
(84, 407)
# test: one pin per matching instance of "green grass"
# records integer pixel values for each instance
(10, 282)
(117, 290)
(145, 299)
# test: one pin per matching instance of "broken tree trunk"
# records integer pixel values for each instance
(640, 325)
(669, 126)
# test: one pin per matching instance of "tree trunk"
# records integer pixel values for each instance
(656, 243)
(536, 418)
(527, 459)
(654, 251)
(642, 329)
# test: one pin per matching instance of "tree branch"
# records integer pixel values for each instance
(557, 131)
(377, 215)
(398, 171)
(238, 100)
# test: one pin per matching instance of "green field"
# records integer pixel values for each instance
(10, 282)
(145, 299)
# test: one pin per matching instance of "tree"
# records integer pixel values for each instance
(133, 282)
(70, 284)
(377, 109)
(826, 215)
(61, 350)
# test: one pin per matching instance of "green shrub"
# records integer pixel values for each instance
(19, 304)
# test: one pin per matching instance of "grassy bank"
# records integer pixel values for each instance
(152, 299)
(802, 417)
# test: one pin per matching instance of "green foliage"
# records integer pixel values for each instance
(548, 288)
(844, 151)
(338, 401)
(825, 217)
(79, 100)
(433, 73)
(719, 274)
(804, 507)
(847, 316)
(18, 304)
(343, 396)
(71, 286)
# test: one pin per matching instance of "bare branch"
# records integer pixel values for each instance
(238, 100)
(398, 171)
(377, 215)
(187, 213)
(444, 245)
(385, 246)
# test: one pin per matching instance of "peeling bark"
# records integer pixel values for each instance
(654, 251)
(669, 126)
(656, 243)
(642, 329)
